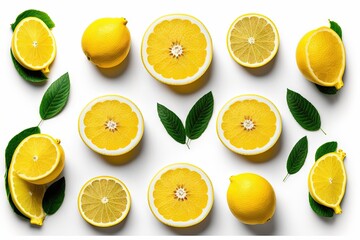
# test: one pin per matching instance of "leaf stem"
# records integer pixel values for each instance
(188, 143)
(286, 177)
(323, 131)
(41, 121)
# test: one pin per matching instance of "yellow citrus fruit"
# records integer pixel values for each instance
(249, 124)
(176, 49)
(39, 159)
(180, 195)
(327, 180)
(33, 44)
(320, 56)
(111, 125)
(104, 201)
(251, 198)
(27, 197)
(253, 40)
(106, 42)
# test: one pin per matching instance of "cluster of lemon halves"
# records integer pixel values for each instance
(37, 161)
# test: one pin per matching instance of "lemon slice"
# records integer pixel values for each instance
(253, 40)
(327, 180)
(111, 125)
(320, 56)
(104, 201)
(180, 195)
(39, 159)
(176, 49)
(33, 44)
(27, 197)
(249, 124)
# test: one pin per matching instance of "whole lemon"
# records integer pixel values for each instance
(251, 198)
(106, 42)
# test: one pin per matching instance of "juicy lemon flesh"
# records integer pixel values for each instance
(35, 45)
(249, 124)
(180, 195)
(325, 54)
(27, 197)
(252, 40)
(103, 202)
(36, 157)
(251, 198)
(176, 49)
(111, 124)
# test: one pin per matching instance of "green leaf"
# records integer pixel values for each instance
(336, 27)
(297, 157)
(327, 90)
(26, 74)
(15, 141)
(325, 148)
(8, 195)
(319, 209)
(55, 97)
(303, 111)
(54, 196)
(172, 124)
(34, 13)
(199, 116)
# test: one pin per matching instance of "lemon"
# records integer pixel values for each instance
(253, 40)
(176, 49)
(180, 195)
(27, 197)
(106, 42)
(39, 159)
(320, 56)
(251, 198)
(327, 180)
(33, 44)
(104, 201)
(111, 125)
(249, 124)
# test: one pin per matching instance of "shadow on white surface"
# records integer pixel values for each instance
(111, 230)
(269, 228)
(264, 70)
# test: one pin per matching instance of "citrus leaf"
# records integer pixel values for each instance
(34, 13)
(327, 90)
(15, 141)
(172, 123)
(303, 111)
(54, 196)
(325, 148)
(336, 27)
(55, 97)
(8, 195)
(26, 74)
(297, 157)
(199, 116)
(319, 209)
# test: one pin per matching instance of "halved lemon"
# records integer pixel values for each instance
(39, 159)
(33, 44)
(180, 195)
(104, 201)
(320, 56)
(327, 180)
(253, 40)
(27, 197)
(249, 124)
(111, 125)
(176, 49)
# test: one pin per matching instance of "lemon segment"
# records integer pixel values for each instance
(249, 124)
(253, 40)
(180, 195)
(104, 201)
(39, 159)
(33, 44)
(320, 56)
(111, 125)
(27, 197)
(176, 49)
(327, 180)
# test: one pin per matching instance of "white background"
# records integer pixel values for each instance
(20, 102)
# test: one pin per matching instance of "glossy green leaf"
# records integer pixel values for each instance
(172, 123)
(319, 209)
(336, 27)
(297, 157)
(34, 13)
(54, 196)
(325, 148)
